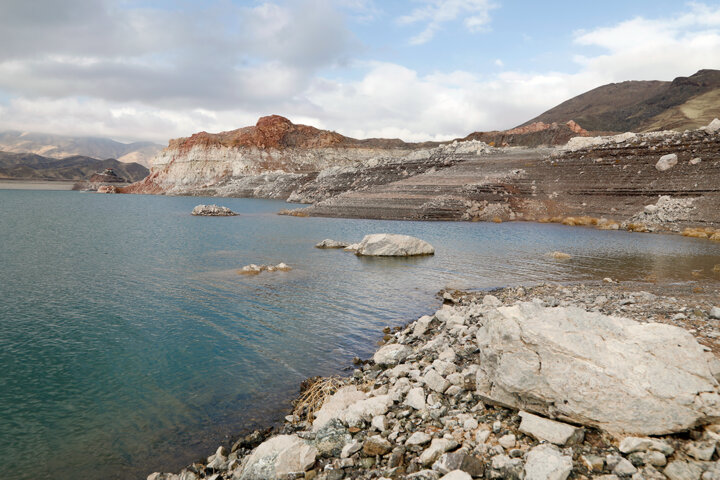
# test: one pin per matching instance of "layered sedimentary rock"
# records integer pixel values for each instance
(615, 177)
(614, 181)
(276, 159)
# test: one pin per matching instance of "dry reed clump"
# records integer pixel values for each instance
(637, 227)
(316, 390)
(716, 268)
(560, 255)
(699, 232)
(296, 212)
(583, 221)
(497, 219)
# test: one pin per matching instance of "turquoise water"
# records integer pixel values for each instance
(129, 344)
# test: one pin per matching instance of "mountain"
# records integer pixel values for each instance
(29, 166)
(643, 106)
(57, 146)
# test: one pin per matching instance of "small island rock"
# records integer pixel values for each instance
(329, 243)
(212, 211)
(393, 245)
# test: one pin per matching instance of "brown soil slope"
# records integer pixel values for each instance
(643, 105)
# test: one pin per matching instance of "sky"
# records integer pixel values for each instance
(417, 70)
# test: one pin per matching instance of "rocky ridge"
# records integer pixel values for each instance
(421, 408)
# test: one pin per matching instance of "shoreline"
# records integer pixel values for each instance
(385, 457)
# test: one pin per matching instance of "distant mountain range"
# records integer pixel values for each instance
(643, 106)
(29, 166)
(58, 146)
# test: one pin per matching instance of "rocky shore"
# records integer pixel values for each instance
(548, 382)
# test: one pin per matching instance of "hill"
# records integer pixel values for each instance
(29, 166)
(58, 146)
(642, 106)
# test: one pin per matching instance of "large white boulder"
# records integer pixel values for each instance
(393, 245)
(666, 162)
(212, 211)
(609, 372)
(279, 457)
(391, 354)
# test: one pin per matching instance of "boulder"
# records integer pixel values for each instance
(279, 457)
(549, 430)
(392, 354)
(666, 162)
(213, 211)
(335, 406)
(392, 245)
(713, 127)
(608, 372)
(329, 243)
(545, 462)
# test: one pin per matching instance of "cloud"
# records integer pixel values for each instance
(654, 49)
(199, 71)
(217, 56)
(435, 13)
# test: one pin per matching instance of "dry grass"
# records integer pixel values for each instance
(297, 212)
(716, 268)
(314, 395)
(637, 227)
(698, 232)
(560, 255)
(497, 219)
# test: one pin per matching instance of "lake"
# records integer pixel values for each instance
(129, 343)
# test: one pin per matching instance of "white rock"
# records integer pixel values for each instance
(456, 475)
(329, 243)
(391, 354)
(643, 444)
(416, 398)
(624, 468)
(701, 450)
(392, 245)
(713, 127)
(421, 325)
(335, 406)
(545, 462)
(679, 470)
(715, 312)
(365, 410)
(435, 381)
(609, 372)
(418, 438)
(380, 423)
(281, 456)
(695, 161)
(212, 211)
(437, 447)
(350, 449)
(507, 441)
(666, 162)
(353, 247)
(549, 430)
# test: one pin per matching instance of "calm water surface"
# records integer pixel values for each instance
(128, 342)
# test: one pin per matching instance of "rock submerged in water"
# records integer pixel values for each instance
(253, 269)
(393, 245)
(329, 243)
(212, 211)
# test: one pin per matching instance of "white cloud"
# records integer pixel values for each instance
(156, 95)
(435, 13)
(655, 49)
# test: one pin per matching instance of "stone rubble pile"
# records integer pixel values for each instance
(522, 384)
(212, 211)
(253, 269)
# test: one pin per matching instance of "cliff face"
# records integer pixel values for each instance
(272, 159)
